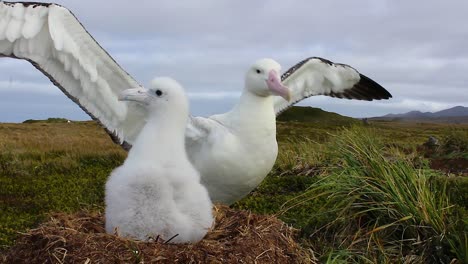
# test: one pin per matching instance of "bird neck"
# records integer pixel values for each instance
(253, 114)
(251, 106)
(162, 138)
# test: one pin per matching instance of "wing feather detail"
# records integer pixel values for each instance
(318, 76)
(52, 39)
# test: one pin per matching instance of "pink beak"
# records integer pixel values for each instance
(276, 87)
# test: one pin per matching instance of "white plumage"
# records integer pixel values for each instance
(157, 191)
(232, 151)
(236, 150)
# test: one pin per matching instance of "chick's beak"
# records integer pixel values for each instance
(139, 94)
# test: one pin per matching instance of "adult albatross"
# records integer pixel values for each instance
(233, 151)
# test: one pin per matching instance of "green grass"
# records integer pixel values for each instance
(47, 167)
(357, 193)
(358, 198)
(385, 208)
(455, 143)
(49, 184)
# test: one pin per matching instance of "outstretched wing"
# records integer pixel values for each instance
(317, 76)
(51, 38)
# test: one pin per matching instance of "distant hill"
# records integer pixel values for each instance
(412, 114)
(48, 120)
(457, 114)
(311, 114)
(455, 111)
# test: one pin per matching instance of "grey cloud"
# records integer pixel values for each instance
(416, 49)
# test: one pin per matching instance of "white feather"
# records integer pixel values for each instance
(316, 77)
(33, 23)
(5, 47)
(14, 27)
(55, 41)
(4, 19)
(157, 191)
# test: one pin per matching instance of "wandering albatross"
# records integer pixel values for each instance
(233, 151)
(157, 191)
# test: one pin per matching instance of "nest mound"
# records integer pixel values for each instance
(237, 237)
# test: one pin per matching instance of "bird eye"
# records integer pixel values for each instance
(258, 71)
(158, 92)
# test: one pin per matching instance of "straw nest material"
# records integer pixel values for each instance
(237, 237)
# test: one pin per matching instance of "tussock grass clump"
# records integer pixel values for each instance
(455, 142)
(237, 237)
(383, 208)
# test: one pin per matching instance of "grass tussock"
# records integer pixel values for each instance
(237, 237)
(455, 143)
(381, 208)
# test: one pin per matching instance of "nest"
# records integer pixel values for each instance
(236, 237)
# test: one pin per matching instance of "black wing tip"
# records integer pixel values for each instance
(376, 90)
(366, 89)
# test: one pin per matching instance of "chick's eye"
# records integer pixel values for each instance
(158, 92)
(258, 71)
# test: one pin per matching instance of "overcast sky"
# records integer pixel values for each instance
(417, 50)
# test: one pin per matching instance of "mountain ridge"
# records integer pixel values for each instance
(457, 114)
(450, 112)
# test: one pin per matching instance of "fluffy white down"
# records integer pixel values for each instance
(144, 203)
(157, 191)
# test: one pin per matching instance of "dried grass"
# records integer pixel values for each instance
(237, 237)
